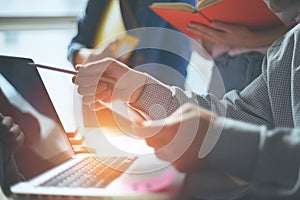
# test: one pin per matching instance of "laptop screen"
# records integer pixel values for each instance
(24, 97)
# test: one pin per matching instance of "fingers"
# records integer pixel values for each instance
(90, 95)
(215, 33)
(88, 75)
(5, 124)
(199, 29)
(96, 106)
(181, 136)
(106, 78)
(89, 84)
(87, 81)
(225, 27)
(13, 141)
(92, 70)
(103, 92)
(104, 96)
(11, 135)
(222, 26)
(92, 89)
(165, 132)
(91, 74)
(215, 26)
(166, 128)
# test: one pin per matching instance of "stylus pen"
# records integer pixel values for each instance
(105, 79)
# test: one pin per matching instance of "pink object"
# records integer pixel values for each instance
(155, 184)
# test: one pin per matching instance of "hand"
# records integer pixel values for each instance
(230, 35)
(11, 136)
(86, 55)
(178, 138)
(128, 87)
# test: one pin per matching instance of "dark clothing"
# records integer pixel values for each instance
(137, 14)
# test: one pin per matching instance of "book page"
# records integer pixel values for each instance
(204, 3)
(175, 6)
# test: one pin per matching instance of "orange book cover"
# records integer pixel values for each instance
(254, 14)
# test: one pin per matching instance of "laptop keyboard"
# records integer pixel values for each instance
(91, 172)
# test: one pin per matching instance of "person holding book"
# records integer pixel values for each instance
(252, 134)
(135, 14)
(237, 50)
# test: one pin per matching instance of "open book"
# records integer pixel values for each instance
(254, 14)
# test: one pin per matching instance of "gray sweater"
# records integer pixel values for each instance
(263, 147)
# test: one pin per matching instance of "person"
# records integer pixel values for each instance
(258, 128)
(237, 51)
(11, 140)
(135, 15)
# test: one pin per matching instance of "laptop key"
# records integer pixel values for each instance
(92, 172)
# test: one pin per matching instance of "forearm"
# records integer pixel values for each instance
(168, 99)
(268, 159)
(158, 100)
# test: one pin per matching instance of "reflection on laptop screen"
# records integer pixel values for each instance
(24, 97)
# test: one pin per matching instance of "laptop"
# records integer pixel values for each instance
(59, 172)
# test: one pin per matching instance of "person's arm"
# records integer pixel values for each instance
(268, 159)
(245, 105)
(82, 43)
(193, 137)
(238, 36)
(157, 100)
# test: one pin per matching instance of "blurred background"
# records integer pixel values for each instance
(42, 30)
(38, 29)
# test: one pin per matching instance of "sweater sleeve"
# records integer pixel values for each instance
(268, 159)
(158, 101)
